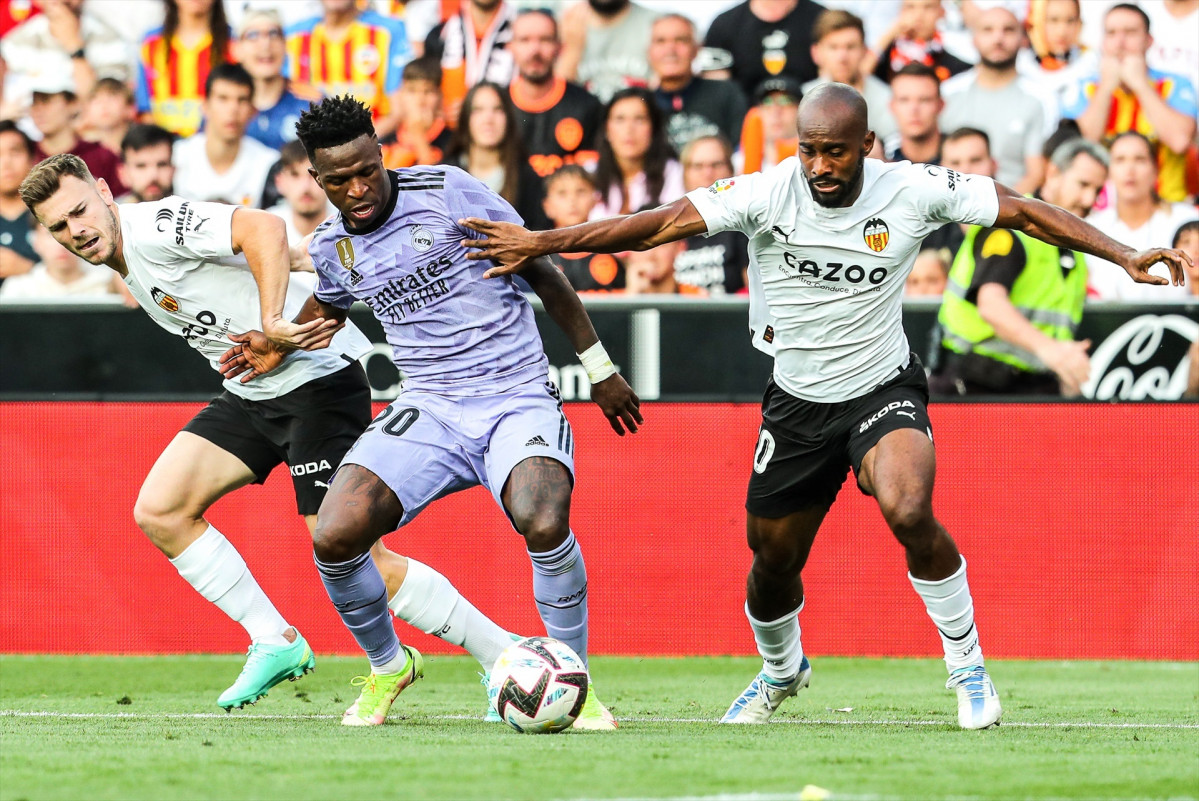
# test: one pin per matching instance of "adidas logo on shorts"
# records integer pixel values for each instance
(537, 440)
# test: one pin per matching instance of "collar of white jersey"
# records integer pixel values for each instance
(870, 173)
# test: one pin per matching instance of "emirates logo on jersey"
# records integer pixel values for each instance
(876, 234)
(345, 252)
(164, 300)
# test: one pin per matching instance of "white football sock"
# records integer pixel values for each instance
(214, 567)
(949, 605)
(778, 643)
(428, 601)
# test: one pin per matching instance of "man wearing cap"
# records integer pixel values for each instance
(53, 111)
(768, 135)
(995, 98)
(693, 106)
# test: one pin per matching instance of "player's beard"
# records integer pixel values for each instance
(837, 198)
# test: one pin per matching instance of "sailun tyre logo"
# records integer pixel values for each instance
(163, 219)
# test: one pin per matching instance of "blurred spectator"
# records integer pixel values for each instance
(715, 264)
(916, 105)
(838, 47)
(1057, 60)
(15, 12)
(1127, 95)
(472, 47)
(146, 165)
(176, 60)
(53, 112)
(422, 136)
(303, 206)
(769, 134)
(16, 233)
(108, 114)
(878, 17)
(59, 273)
(559, 120)
(693, 106)
(995, 98)
(66, 40)
(222, 163)
(914, 39)
(767, 39)
(651, 272)
(486, 145)
(966, 150)
(1013, 302)
(929, 275)
(1075, 176)
(278, 102)
(1175, 47)
(419, 18)
(605, 46)
(569, 198)
(1138, 217)
(291, 12)
(636, 166)
(352, 51)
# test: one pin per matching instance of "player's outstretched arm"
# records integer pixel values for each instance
(256, 354)
(512, 247)
(609, 390)
(1061, 228)
(262, 236)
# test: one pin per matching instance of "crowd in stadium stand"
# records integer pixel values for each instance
(581, 109)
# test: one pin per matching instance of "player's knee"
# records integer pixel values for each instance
(909, 516)
(775, 554)
(162, 523)
(543, 529)
(337, 539)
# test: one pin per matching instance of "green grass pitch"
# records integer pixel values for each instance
(148, 728)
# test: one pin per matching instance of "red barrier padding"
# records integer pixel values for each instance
(1080, 524)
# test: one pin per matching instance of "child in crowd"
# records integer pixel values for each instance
(423, 136)
(929, 276)
(570, 195)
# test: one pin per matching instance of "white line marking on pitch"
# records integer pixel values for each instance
(17, 713)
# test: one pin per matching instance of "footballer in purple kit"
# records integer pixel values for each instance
(477, 406)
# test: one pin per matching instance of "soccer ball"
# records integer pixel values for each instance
(538, 685)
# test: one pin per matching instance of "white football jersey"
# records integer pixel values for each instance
(826, 301)
(183, 272)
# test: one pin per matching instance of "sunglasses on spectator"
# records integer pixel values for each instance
(254, 36)
(778, 99)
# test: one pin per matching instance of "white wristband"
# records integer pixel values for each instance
(597, 363)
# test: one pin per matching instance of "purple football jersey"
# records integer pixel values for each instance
(451, 331)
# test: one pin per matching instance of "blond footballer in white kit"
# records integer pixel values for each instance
(210, 272)
(832, 239)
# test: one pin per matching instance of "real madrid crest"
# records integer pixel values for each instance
(345, 252)
(422, 239)
(876, 234)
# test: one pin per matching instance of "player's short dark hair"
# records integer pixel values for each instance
(965, 133)
(44, 179)
(1191, 227)
(230, 73)
(914, 69)
(1140, 12)
(569, 171)
(425, 68)
(10, 126)
(292, 153)
(333, 121)
(140, 137)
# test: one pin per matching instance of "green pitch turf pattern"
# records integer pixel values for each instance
(148, 728)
